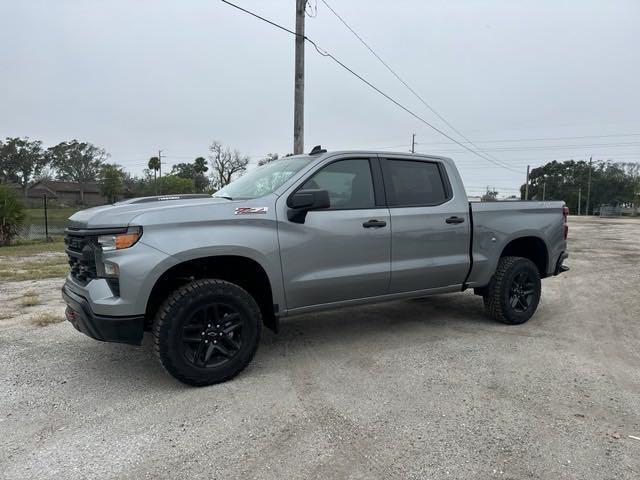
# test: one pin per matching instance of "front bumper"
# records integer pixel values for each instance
(127, 329)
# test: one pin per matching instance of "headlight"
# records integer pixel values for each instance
(118, 241)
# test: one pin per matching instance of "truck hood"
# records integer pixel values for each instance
(121, 214)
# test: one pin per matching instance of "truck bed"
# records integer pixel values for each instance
(495, 224)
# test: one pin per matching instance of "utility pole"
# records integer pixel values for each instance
(579, 199)
(526, 186)
(413, 143)
(544, 190)
(589, 185)
(298, 92)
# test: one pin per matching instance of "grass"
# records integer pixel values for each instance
(38, 269)
(29, 299)
(26, 249)
(33, 261)
(43, 319)
(54, 215)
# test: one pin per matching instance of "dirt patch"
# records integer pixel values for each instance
(14, 310)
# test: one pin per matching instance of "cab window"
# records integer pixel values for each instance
(348, 182)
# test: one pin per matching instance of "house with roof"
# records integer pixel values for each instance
(64, 194)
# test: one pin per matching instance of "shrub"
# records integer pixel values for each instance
(11, 215)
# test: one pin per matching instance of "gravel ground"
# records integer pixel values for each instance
(426, 388)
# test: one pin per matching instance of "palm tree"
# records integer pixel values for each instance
(154, 164)
(199, 169)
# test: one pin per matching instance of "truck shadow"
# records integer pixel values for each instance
(397, 324)
(419, 318)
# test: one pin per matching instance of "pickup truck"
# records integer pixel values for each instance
(205, 273)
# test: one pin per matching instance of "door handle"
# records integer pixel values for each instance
(454, 220)
(374, 224)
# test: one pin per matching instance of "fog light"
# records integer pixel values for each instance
(111, 269)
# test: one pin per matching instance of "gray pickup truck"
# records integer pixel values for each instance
(300, 234)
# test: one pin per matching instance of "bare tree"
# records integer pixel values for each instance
(225, 163)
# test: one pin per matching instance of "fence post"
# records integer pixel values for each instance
(46, 218)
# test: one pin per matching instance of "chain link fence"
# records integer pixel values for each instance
(44, 222)
(617, 211)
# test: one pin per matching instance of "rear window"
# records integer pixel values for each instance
(413, 183)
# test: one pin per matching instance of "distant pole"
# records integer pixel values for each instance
(298, 91)
(46, 218)
(589, 185)
(413, 143)
(159, 171)
(544, 190)
(526, 186)
(579, 200)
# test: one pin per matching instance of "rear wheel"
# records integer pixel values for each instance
(207, 332)
(514, 292)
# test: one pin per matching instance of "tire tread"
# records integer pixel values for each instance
(493, 298)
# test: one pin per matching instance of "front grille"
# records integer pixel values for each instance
(81, 250)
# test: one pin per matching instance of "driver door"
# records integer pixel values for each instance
(343, 252)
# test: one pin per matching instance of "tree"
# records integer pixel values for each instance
(111, 180)
(183, 170)
(489, 196)
(11, 215)
(21, 160)
(193, 171)
(77, 162)
(133, 186)
(200, 181)
(268, 159)
(172, 184)
(225, 164)
(611, 183)
(154, 164)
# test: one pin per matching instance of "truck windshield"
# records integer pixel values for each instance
(263, 180)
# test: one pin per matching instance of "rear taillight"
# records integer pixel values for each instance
(565, 217)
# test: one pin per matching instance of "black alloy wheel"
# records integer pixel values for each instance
(212, 335)
(521, 291)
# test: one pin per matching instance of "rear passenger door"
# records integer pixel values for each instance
(430, 228)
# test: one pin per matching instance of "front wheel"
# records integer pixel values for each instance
(207, 331)
(514, 292)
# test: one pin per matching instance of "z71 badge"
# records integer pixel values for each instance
(251, 210)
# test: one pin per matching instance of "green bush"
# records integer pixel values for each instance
(11, 215)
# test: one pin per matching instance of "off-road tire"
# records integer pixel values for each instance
(177, 309)
(497, 300)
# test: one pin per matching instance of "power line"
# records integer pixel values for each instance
(531, 148)
(393, 72)
(540, 139)
(324, 53)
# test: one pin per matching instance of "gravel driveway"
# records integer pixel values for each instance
(426, 388)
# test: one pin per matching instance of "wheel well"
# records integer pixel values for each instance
(532, 248)
(242, 271)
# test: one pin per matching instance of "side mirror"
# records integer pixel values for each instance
(305, 200)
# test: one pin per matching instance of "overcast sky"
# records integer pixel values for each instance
(135, 76)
